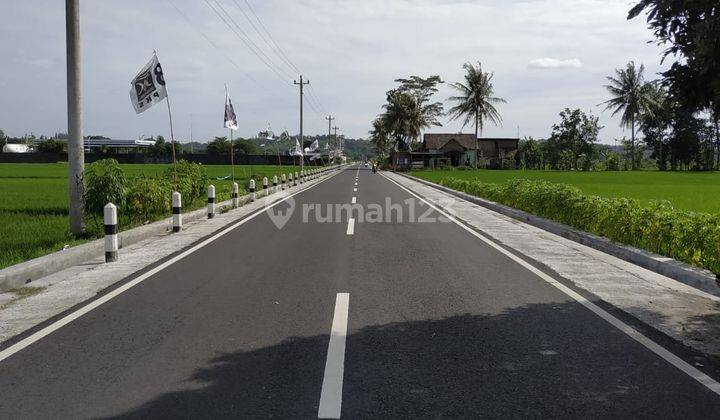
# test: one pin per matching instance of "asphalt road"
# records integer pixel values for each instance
(439, 325)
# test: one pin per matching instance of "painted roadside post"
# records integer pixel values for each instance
(235, 202)
(252, 189)
(284, 178)
(111, 232)
(265, 185)
(296, 178)
(176, 212)
(275, 183)
(211, 202)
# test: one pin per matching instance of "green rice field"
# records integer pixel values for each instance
(693, 191)
(34, 203)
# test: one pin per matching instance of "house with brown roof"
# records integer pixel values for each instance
(453, 149)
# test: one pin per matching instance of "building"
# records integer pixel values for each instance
(492, 151)
(448, 149)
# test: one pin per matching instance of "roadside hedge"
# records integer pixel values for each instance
(659, 227)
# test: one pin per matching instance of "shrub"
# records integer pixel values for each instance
(147, 197)
(659, 227)
(104, 183)
(191, 181)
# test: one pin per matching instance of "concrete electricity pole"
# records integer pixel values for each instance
(329, 119)
(302, 141)
(76, 149)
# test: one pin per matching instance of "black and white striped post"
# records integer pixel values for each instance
(235, 201)
(265, 185)
(275, 182)
(290, 180)
(176, 212)
(211, 201)
(111, 232)
(302, 176)
(296, 178)
(284, 179)
(252, 189)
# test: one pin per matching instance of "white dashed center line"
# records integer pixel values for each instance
(331, 393)
(351, 226)
(354, 200)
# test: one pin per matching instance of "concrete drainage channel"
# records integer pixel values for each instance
(695, 277)
(23, 274)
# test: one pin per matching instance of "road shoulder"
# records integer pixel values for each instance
(683, 313)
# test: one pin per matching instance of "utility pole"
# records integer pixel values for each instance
(329, 119)
(302, 139)
(337, 143)
(76, 149)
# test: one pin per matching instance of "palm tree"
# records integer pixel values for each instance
(476, 100)
(632, 96)
(402, 117)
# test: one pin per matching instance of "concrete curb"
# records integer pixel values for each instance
(692, 276)
(20, 274)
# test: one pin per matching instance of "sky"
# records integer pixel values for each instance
(546, 55)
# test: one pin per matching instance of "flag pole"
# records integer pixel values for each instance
(172, 138)
(232, 152)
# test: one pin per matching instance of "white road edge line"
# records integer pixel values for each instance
(32, 338)
(331, 393)
(354, 200)
(351, 226)
(669, 357)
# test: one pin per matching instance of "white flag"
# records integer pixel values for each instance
(314, 146)
(230, 118)
(148, 87)
(298, 150)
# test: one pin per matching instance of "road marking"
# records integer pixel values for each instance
(356, 184)
(659, 350)
(354, 189)
(25, 342)
(351, 226)
(331, 393)
(354, 200)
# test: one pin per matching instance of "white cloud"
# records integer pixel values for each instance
(554, 63)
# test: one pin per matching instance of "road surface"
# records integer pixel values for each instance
(394, 319)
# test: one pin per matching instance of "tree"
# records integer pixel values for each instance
(245, 147)
(631, 95)
(219, 146)
(476, 102)
(50, 146)
(407, 110)
(379, 138)
(574, 137)
(655, 124)
(162, 149)
(531, 153)
(691, 30)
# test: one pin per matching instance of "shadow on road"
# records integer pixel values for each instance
(541, 360)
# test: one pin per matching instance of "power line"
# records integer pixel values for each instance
(280, 50)
(210, 41)
(247, 44)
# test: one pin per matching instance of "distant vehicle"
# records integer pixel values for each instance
(16, 148)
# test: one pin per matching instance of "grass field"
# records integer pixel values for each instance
(695, 191)
(34, 203)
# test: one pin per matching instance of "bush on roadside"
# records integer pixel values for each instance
(191, 181)
(659, 227)
(147, 197)
(104, 183)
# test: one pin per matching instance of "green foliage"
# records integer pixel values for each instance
(104, 183)
(476, 100)
(190, 181)
(612, 162)
(50, 146)
(146, 197)
(576, 135)
(659, 227)
(220, 146)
